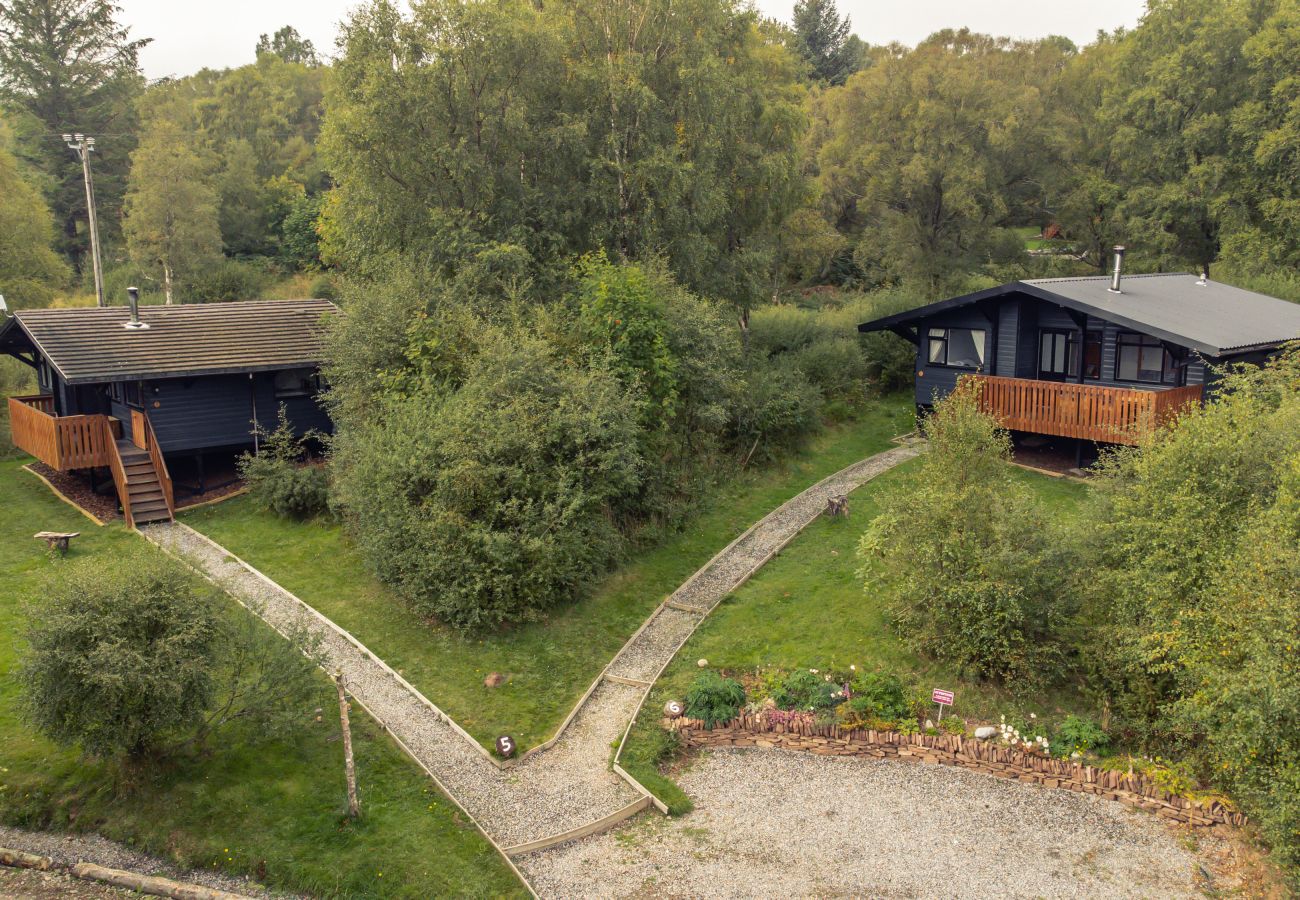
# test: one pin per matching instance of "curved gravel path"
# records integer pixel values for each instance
(778, 824)
(569, 785)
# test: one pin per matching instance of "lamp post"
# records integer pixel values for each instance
(83, 146)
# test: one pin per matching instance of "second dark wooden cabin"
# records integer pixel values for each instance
(128, 392)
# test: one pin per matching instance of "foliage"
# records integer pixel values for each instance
(825, 42)
(875, 695)
(226, 280)
(71, 66)
(171, 211)
(121, 658)
(969, 561)
(276, 477)
(714, 699)
(1192, 587)
(139, 658)
(1079, 735)
(485, 501)
(691, 152)
(805, 689)
(29, 269)
(289, 46)
(778, 407)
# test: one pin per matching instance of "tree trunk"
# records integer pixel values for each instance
(167, 283)
(349, 767)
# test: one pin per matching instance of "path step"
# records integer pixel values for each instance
(623, 679)
(602, 824)
(686, 608)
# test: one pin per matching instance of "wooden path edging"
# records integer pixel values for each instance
(582, 831)
(62, 496)
(153, 885)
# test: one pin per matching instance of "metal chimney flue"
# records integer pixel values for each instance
(133, 295)
(1119, 269)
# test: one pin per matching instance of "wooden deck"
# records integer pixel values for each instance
(61, 442)
(1090, 412)
(144, 487)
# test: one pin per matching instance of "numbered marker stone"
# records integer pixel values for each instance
(673, 709)
(506, 746)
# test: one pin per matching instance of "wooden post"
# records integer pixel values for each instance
(354, 806)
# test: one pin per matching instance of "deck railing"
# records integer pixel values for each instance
(1090, 412)
(61, 442)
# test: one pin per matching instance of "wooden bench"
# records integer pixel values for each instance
(57, 540)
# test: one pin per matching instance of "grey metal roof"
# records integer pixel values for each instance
(1214, 318)
(88, 345)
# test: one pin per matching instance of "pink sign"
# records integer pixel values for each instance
(943, 698)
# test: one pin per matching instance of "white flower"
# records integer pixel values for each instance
(1033, 715)
(853, 668)
(814, 671)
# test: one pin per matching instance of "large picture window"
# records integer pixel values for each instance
(1142, 358)
(963, 347)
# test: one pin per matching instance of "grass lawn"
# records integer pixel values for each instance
(549, 663)
(274, 811)
(807, 609)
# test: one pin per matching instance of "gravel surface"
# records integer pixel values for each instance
(24, 884)
(643, 657)
(69, 849)
(772, 823)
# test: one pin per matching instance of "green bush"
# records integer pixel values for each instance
(227, 280)
(1079, 735)
(879, 696)
(487, 501)
(323, 288)
(278, 480)
(714, 699)
(972, 567)
(777, 407)
(803, 690)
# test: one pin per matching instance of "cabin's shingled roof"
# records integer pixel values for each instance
(1214, 318)
(89, 345)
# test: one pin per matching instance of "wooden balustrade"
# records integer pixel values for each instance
(1086, 411)
(159, 464)
(61, 442)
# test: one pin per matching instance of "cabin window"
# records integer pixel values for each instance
(962, 347)
(1142, 358)
(1059, 355)
(133, 393)
(297, 383)
(115, 392)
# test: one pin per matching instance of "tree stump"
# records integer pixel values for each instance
(837, 506)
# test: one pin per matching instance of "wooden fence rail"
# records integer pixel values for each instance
(61, 442)
(1090, 412)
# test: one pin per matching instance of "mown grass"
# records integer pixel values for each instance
(550, 663)
(273, 811)
(807, 608)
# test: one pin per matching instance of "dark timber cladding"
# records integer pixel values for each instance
(88, 346)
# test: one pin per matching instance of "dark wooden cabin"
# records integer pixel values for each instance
(183, 380)
(1097, 359)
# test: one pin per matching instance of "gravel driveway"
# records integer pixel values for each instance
(772, 823)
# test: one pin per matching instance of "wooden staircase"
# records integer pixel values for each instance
(144, 487)
(145, 498)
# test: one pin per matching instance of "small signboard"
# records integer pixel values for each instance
(943, 698)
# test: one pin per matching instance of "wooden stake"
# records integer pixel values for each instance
(354, 805)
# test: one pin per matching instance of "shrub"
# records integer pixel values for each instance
(139, 658)
(227, 280)
(487, 501)
(323, 288)
(1079, 735)
(804, 689)
(879, 696)
(714, 699)
(974, 573)
(121, 659)
(277, 481)
(777, 407)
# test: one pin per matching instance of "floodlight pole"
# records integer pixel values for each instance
(83, 146)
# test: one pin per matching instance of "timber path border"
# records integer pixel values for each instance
(565, 788)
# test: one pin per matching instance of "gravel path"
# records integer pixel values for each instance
(68, 849)
(771, 823)
(570, 784)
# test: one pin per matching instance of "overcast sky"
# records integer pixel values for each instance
(188, 35)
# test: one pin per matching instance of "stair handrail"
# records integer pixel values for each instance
(118, 470)
(160, 466)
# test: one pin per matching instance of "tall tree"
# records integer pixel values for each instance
(29, 269)
(290, 46)
(171, 208)
(825, 40)
(72, 66)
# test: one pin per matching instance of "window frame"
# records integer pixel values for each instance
(136, 388)
(1145, 342)
(946, 341)
(310, 384)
